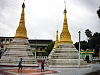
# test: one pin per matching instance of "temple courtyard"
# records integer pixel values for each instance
(94, 69)
(64, 58)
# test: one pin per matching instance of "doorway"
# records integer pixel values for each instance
(87, 58)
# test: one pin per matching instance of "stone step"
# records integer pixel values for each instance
(65, 51)
(19, 49)
(64, 57)
(11, 55)
(67, 61)
(18, 46)
(69, 66)
(65, 54)
(15, 62)
(18, 53)
(18, 57)
(20, 43)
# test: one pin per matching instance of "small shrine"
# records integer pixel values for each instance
(87, 54)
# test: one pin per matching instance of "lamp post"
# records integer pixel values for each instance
(79, 48)
(36, 49)
(35, 54)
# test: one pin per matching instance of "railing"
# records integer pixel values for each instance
(96, 59)
(41, 57)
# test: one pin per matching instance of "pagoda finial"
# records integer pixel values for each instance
(65, 3)
(65, 7)
(56, 42)
(21, 31)
(23, 6)
(57, 27)
(65, 36)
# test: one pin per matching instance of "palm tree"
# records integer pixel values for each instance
(88, 33)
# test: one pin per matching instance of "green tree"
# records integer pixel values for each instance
(83, 45)
(94, 42)
(98, 12)
(49, 48)
(88, 33)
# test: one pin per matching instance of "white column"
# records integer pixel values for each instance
(79, 48)
(35, 54)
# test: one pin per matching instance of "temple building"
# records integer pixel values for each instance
(19, 47)
(5, 42)
(87, 55)
(64, 54)
(38, 45)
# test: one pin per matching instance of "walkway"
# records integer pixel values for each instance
(93, 70)
(25, 71)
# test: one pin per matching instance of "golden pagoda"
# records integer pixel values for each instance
(65, 36)
(56, 42)
(21, 31)
(65, 55)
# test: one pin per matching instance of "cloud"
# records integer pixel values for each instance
(43, 16)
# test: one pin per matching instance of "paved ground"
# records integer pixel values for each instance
(93, 70)
(25, 71)
(93, 73)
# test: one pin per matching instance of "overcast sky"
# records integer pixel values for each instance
(43, 16)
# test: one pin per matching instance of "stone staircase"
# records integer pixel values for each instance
(19, 48)
(65, 55)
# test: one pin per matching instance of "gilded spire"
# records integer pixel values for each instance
(65, 36)
(21, 31)
(56, 42)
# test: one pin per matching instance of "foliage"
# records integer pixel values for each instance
(49, 48)
(98, 12)
(93, 42)
(88, 33)
(83, 45)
